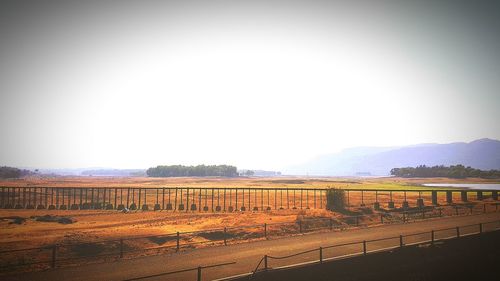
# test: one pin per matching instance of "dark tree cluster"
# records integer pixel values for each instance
(193, 171)
(12, 173)
(457, 171)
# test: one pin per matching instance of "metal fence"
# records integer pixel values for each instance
(185, 199)
(60, 255)
(359, 248)
(198, 270)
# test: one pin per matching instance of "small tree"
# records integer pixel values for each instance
(335, 199)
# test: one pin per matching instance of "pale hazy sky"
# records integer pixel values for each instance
(256, 84)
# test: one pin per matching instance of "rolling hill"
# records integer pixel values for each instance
(482, 154)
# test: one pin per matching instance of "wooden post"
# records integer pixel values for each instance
(175, 200)
(199, 273)
(320, 255)
(121, 248)
(187, 200)
(54, 251)
(458, 232)
(401, 241)
(480, 228)
(287, 200)
(128, 197)
(139, 199)
(464, 196)
(265, 262)
(364, 247)
(224, 200)
(300, 226)
(213, 199)
(382, 218)
(103, 199)
(199, 201)
(265, 230)
(494, 195)
(449, 197)
(261, 199)
(163, 199)
(331, 224)
(225, 232)
(434, 198)
(314, 199)
(178, 241)
(275, 199)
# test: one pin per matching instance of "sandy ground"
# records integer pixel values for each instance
(22, 229)
(248, 255)
(309, 182)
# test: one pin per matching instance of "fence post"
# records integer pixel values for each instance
(480, 228)
(265, 262)
(199, 273)
(320, 254)
(54, 250)
(432, 237)
(382, 218)
(423, 214)
(484, 208)
(265, 230)
(401, 241)
(300, 226)
(178, 241)
(357, 220)
(440, 213)
(404, 217)
(331, 224)
(364, 247)
(458, 232)
(121, 248)
(225, 240)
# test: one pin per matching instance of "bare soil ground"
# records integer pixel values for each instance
(309, 182)
(37, 228)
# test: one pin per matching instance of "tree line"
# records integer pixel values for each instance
(457, 171)
(193, 171)
(12, 173)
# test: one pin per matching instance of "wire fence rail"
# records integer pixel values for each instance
(68, 254)
(401, 241)
(197, 269)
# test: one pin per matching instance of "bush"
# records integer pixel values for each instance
(335, 199)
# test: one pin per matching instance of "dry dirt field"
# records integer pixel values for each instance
(28, 228)
(298, 182)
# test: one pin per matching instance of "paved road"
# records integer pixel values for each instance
(247, 255)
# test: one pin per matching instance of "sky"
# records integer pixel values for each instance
(255, 84)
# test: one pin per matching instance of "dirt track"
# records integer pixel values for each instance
(247, 255)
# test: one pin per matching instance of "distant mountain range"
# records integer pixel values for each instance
(482, 154)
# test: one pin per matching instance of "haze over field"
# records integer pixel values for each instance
(255, 84)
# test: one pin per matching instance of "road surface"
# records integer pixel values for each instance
(247, 255)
